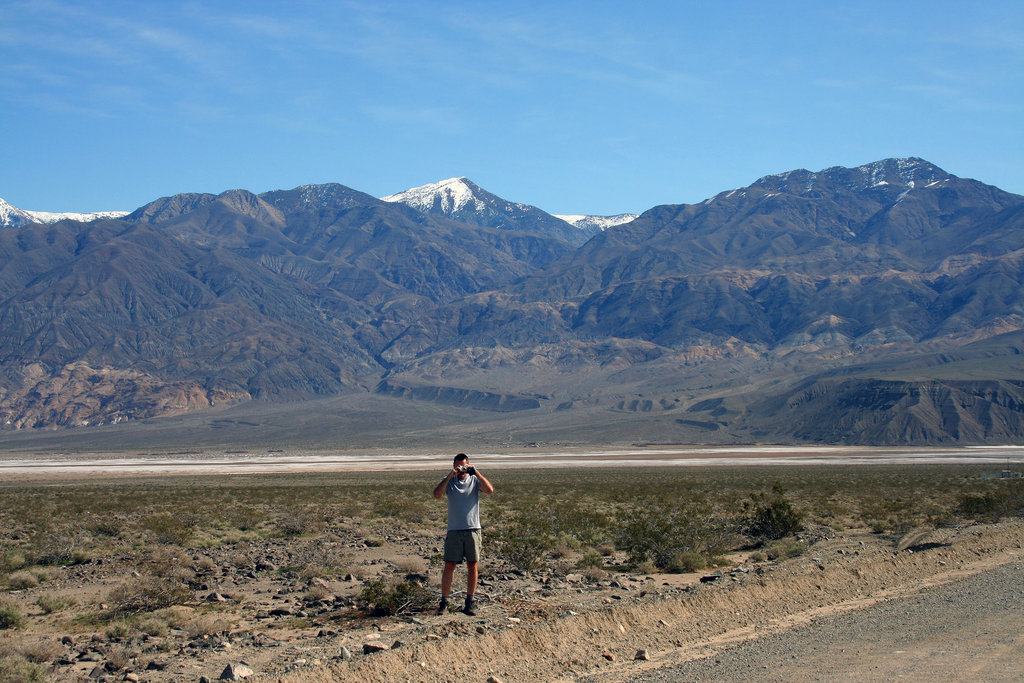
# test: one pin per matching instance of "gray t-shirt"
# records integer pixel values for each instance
(463, 503)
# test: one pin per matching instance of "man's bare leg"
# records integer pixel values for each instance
(446, 578)
(472, 574)
(446, 585)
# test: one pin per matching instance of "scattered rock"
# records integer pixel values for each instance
(216, 597)
(642, 655)
(609, 656)
(134, 678)
(236, 672)
(370, 648)
(493, 679)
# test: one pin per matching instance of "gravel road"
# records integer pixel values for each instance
(969, 630)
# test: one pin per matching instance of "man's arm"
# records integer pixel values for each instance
(439, 490)
(485, 486)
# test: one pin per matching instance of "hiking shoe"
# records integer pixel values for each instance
(468, 609)
(443, 607)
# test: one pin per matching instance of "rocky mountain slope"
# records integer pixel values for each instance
(878, 304)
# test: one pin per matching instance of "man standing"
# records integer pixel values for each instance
(463, 486)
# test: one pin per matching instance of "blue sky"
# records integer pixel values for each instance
(575, 107)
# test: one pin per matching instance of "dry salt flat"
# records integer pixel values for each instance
(113, 464)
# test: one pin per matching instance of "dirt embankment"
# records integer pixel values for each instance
(570, 640)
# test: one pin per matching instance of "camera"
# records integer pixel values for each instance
(467, 469)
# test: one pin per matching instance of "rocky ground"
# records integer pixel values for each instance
(251, 616)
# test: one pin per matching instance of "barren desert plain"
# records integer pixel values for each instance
(629, 564)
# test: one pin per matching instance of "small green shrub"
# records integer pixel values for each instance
(106, 525)
(10, 616)
(22, 580)
(53, 603)
(881, 526)
(662, 533)
(592, 559)
(13, 560)
(168, 528)
(522, 544)
(246, 518)
(153, 626)
(205, 625)
(147, 594)
(119, 630)
(58, 547)
(780, 550)
(769, 519)
(687, 561)
(18, 668)
(396, 597)
(300, 522)
(41, 651)
(1004, 499)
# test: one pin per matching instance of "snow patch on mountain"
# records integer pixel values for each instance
(597, 223)
(51, 217)
(449, 196)
(13, 217)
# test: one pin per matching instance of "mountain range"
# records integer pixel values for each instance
(881, 304)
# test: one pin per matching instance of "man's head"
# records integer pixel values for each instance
(461, 463)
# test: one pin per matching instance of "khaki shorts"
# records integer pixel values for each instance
(462, 545)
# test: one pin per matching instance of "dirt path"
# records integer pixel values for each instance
(800, 599)
(970, 628)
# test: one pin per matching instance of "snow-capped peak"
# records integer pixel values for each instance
(449, 196)
(12, 216)
(596, 223)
